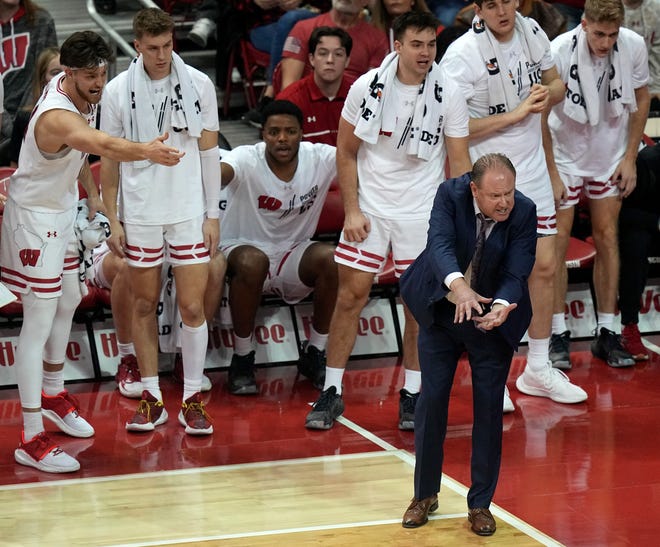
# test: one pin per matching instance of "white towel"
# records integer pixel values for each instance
(585, 89)
(90, 234)
(423, 130)
(502, 87)
(141, 120)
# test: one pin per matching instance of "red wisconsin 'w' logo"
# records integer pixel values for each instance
(29, 257)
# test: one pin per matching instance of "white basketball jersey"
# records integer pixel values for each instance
(49, 182)
(268, 212)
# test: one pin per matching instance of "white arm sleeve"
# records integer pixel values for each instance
(211, 180)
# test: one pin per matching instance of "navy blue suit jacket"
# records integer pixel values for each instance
(507, 260)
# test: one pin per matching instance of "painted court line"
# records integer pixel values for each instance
(454, 485)
(651, 346)
(283, 531)
(387, 451)
(192, 470)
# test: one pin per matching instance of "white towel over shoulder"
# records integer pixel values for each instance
(141, 120)
(427, 115)
(620, 93)
(502, 89)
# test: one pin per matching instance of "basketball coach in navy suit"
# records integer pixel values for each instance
(468, 291)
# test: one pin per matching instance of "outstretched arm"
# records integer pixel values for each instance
(56, 129)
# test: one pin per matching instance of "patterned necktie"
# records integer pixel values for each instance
(484, 224)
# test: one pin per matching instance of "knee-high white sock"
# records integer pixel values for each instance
(194, 341)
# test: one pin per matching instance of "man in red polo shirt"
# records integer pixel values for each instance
(370, 43)
(321, 95)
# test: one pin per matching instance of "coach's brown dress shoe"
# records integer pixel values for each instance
(417, 513)
(483, 523)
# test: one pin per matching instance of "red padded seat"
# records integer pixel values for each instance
(580, 254)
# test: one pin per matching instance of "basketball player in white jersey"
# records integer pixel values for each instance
(166, 215)
(507, 77)
(596, 134)
(275, 193)
(38, 253)
(395, 134)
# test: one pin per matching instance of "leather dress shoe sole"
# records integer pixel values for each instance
(417, 513)
(483, 523)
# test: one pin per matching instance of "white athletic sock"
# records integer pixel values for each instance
(333, 377)
(33, 424)
(53, 382)
(605, 320)
(413, 381)
(125, 349)
(316, 339)
(194, 341)
(242, 346)
(538, 354)
(558, 323)
(151, 384)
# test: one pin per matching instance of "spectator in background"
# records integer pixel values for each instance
(265, 22)
(25, 31)
(321, 95)
(369, 43)
(222, 20)
(268, 35)
(639, 236)
(106, 7)
(572, 10)
(48, 66)
(643, 16)
(446, 10)
(383, 12)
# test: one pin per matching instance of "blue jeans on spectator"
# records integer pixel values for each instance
(573, 15)
(270, 38)
(446, 10)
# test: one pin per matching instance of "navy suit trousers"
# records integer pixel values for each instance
(440, 347)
